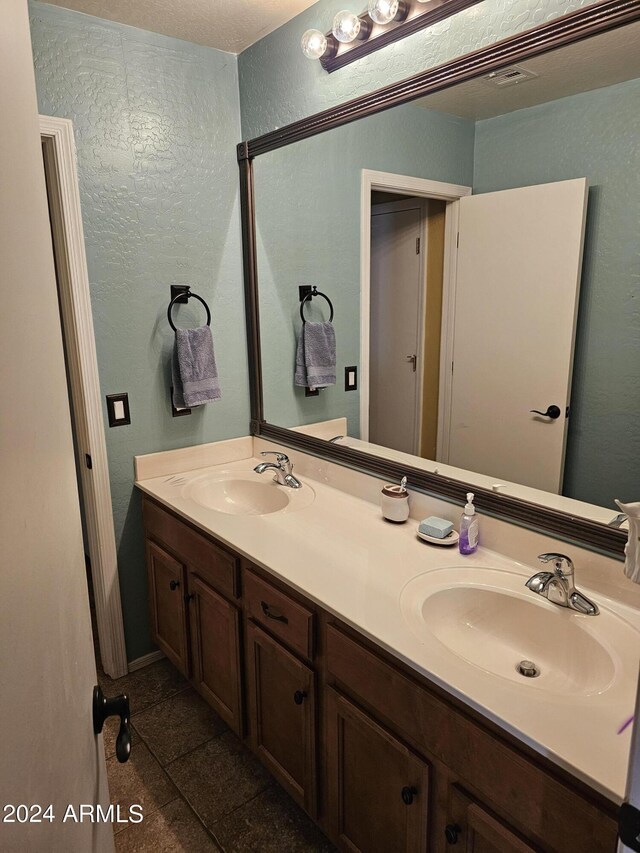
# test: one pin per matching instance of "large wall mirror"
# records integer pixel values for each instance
(480, 250)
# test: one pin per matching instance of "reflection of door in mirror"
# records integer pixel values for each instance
(396, 330)
(517, 285)
(515, 291)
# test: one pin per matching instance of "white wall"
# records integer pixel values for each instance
(49, 753)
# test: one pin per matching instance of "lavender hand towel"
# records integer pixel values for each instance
(194, 369)
(316, 356)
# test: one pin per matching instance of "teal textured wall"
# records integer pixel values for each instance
(156, 121)
(594, 135)
(278, 84)
(308, 230)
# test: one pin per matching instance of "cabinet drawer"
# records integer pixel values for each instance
(289, 621)
(507, 780)
(216, 566)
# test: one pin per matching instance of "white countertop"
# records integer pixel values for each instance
(340, 553)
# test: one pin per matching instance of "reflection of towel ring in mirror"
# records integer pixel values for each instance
(310, 295)
(182, 295)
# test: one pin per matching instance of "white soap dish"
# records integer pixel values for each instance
(451, 539)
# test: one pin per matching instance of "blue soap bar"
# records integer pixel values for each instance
(436, 527)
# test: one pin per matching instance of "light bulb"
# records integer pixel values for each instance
(346, 27)
(314, 44)
(383, 11)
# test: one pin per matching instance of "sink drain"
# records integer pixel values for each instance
(528, 668)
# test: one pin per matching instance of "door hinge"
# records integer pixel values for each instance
(458, 240)
(417, 245)
(88, 461)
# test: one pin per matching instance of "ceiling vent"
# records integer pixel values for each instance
(509, 77)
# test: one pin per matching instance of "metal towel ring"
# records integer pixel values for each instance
(310, 295)
(188, 294)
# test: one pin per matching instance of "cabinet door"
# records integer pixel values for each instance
(377, 789)
(167, 605)
(282, 718)
(473, 829)
(215, 645)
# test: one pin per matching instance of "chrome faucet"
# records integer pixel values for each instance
(558, 587)
(283, 467)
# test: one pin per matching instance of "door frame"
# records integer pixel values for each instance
(75, 307)
(422, 188)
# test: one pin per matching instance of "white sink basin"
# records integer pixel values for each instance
(487, 618)
(235, 494)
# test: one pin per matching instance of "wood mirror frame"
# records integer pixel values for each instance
(582, 24)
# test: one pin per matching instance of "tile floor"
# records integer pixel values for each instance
(201, 789)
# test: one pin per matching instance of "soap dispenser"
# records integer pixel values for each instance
(468, 542)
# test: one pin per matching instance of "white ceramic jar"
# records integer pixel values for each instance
(394, 503)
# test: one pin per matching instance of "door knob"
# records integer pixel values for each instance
(173, 585)
(299, 696)
(552, 412)
(414, 360)
(117, 706)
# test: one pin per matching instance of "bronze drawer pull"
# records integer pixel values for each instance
(267, 612)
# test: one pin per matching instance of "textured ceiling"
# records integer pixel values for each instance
(230, 25)
(590, 64)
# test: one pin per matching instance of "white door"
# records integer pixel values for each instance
(395, 334)
(518, 280)
(50, 755)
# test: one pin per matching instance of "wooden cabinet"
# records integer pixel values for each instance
(193, 587)
(215, 650)
(404, 766)
(474, 829)
(167, 577)
(377, 788)
(282, 715)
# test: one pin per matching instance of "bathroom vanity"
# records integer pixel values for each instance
(316, 663)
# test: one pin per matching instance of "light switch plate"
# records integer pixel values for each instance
(118, 409)
(351, 378)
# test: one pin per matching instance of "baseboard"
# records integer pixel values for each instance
(145, 660)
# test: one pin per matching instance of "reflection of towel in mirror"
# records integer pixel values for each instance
(194, 369)
(316, 356)
(632, 548)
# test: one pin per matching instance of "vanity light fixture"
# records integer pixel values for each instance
(385, 21)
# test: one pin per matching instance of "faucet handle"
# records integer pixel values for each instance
(558, 560)
(280, 457)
